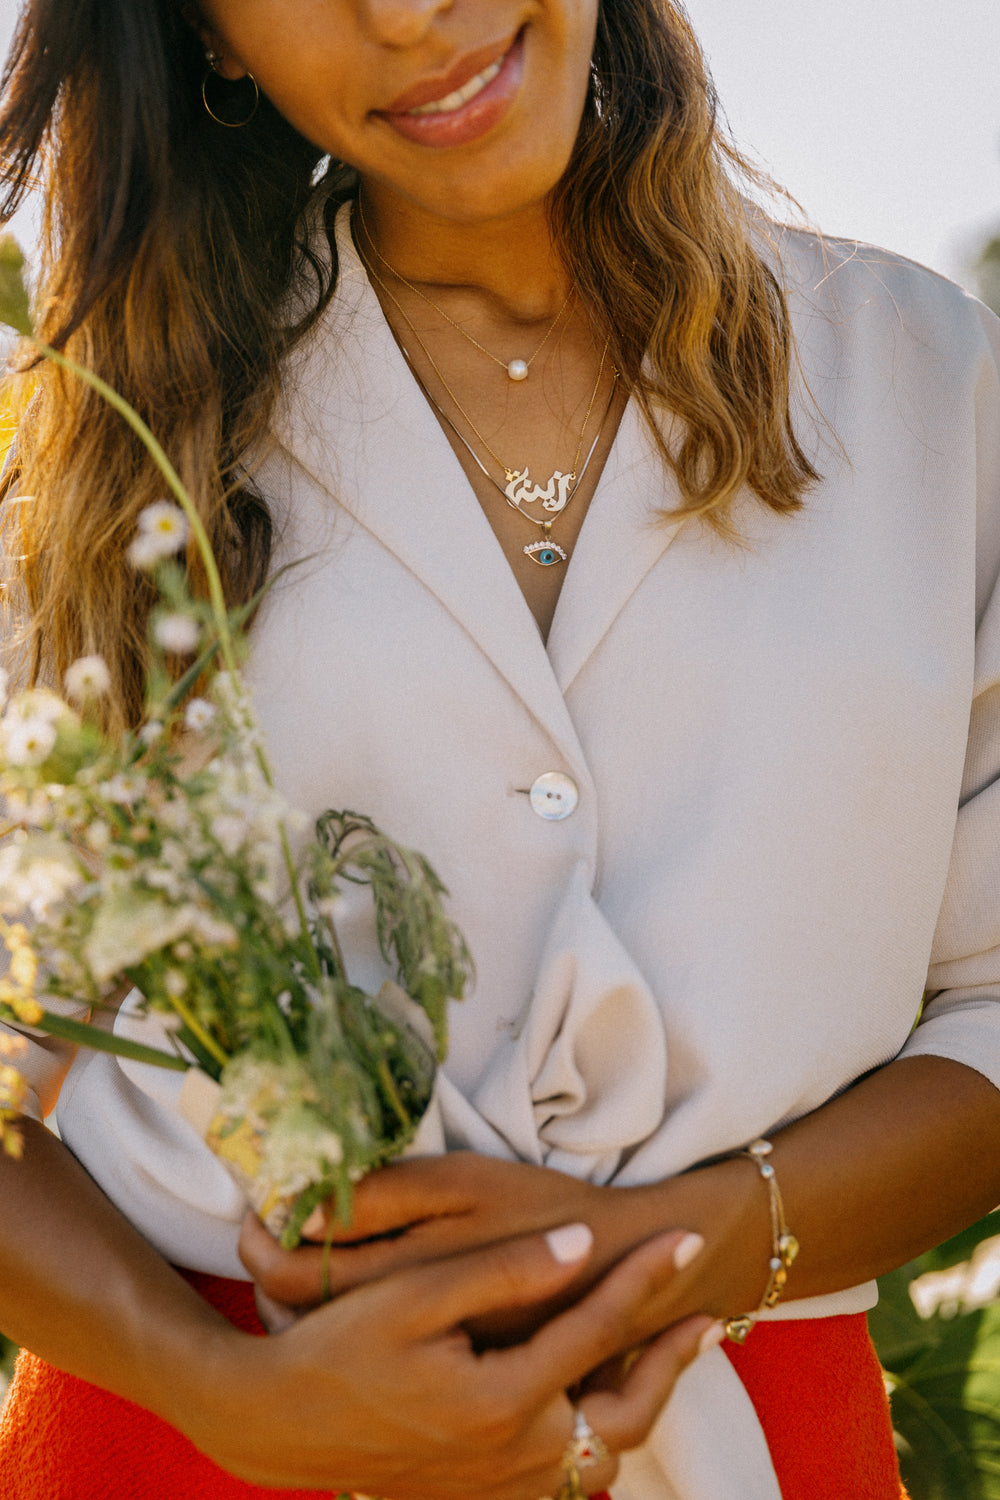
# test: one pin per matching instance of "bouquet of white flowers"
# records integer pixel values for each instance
(162, 861)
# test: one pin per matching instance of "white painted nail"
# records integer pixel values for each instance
(685, 1251)
(570, 1242)
(712, 1337)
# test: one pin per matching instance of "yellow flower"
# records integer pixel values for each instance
(24, 967)
(13, 1097)
(27, 1010)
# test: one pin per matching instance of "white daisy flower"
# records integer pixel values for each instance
(38, 705)
(29, 742)
(144, 553)
(163, 531)
(199, 715)
(87, 678)
(151, 732)
(177, 633)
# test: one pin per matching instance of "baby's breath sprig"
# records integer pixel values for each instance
(160, 862)
(162, 532)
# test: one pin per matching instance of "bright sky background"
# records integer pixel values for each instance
(882, 116)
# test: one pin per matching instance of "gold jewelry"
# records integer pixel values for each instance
(519, 490)
(584, 1448)
(571, 1488)
(517, 369)
(212, 58)
(785, 1247)
(547, 552)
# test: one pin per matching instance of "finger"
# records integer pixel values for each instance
(617, 1314)
(623, 1418)
(279, 1274)
(513, 1273)
(396, 1196)
(596, 1473)
(312, 1274)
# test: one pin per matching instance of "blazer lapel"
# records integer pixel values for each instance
(620, 541)
(357, 422)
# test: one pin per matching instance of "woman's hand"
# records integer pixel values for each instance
(382, 1392)
(428, 1208)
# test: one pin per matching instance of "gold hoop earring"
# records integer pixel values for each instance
(247, 77)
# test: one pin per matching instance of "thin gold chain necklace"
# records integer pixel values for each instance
(518, 490)
(517, 369)
(546, 552)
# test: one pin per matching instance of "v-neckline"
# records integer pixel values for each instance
(369, 305)
(352, 419)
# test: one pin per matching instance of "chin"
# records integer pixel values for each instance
(505, 191)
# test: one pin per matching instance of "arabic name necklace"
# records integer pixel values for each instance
(517, 369)
(518, 490)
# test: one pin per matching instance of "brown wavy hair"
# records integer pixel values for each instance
(171, 245)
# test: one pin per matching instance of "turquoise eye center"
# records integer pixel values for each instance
(545, 554)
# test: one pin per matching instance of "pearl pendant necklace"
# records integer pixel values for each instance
(517, 369)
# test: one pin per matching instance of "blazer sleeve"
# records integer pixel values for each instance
(961, 1015)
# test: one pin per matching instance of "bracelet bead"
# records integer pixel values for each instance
(785, 1247)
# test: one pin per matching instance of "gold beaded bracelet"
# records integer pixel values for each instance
(785, 1247)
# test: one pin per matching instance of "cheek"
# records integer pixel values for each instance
(321, 97)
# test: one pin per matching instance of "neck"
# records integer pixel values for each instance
(511, 261)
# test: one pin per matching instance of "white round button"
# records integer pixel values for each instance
(554, 796)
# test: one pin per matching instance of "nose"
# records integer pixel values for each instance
(402, 23)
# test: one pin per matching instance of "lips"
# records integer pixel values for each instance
(462, 104)
(433, 90)
(461, 96)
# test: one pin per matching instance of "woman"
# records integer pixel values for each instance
(642, 597)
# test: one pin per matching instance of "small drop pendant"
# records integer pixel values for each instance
(517, 369)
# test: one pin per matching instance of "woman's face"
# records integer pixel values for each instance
(465, 108)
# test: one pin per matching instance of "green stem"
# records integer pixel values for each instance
(315, 966)
(99, 1040)
(174, 481)
(196, 1029)
(389, 1084)
(220, 613)
(338, 952)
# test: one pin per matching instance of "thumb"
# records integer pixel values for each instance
(510, 1273)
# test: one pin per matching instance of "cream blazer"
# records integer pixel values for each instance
(784, 753)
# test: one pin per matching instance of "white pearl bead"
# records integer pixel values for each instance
(518, 369)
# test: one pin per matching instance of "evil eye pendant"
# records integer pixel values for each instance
(545, 554)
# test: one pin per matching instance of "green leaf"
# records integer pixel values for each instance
(945, 1375)
(15, 310)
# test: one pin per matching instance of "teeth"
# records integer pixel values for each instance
(460, 96)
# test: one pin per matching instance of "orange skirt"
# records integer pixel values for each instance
(816, 1385)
